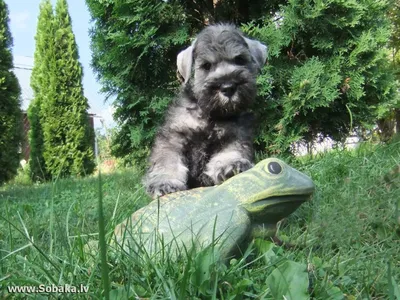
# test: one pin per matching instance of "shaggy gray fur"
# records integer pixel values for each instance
(207, 136)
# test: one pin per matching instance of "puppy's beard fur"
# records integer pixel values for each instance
(213, 102)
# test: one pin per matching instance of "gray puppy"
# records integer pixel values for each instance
(207, 136)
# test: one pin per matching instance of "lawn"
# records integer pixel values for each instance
(345, 243)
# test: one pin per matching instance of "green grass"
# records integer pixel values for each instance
(346, 240)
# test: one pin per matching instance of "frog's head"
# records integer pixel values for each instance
(272, 190)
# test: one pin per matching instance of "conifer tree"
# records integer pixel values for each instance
(40, 81)
(328, 71)
(68, 138)
(10, 111)
(394, 15)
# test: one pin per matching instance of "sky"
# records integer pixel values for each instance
(23, 21)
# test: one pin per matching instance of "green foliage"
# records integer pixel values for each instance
(40, 81)
(328, 71)
(142, 39)
(289, 280)
(68, 138)
(10, 111)
(37, 165)
(23, 177)
(394, 15)
(103, 143)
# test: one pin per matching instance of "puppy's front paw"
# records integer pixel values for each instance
(206, 180)
(226, 171)
(167, 186)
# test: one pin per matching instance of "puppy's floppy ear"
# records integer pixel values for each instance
(258, 52)
(184, 62)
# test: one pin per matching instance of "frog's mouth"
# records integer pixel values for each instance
(275, 208)
(278, 200)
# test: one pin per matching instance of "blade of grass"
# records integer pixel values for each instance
(102, 244)
(10, 235)
(16, 251)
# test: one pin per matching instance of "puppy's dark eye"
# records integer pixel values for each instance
(240, 60)
(206, 66)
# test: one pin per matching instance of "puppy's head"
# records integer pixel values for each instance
(225, 65)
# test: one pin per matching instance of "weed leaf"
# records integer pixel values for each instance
(289, 281)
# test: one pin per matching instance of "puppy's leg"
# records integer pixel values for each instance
(236, 154)
(168, 172)
(233, 159)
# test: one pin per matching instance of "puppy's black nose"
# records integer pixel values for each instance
(228, 89)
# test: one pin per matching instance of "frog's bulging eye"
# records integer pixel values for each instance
(274, 167)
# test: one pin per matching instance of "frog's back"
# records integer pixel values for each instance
(192, 214)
